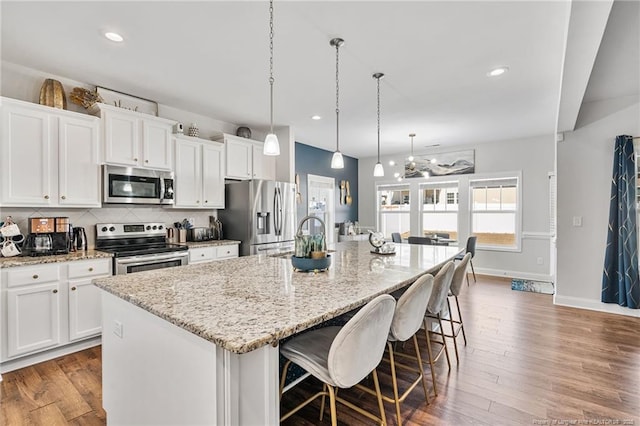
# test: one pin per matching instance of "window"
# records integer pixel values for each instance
(439, 209)
(394, 209)
(495, 212)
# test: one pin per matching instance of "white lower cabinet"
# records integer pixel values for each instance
(33, 318)
(49, 306)
(211, 253)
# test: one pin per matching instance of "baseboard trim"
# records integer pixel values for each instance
(594, 305)
(36, 358)
(513, 274)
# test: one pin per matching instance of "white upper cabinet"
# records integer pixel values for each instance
(199, 173)
(49, 157)
(135, 139)
(244, 159)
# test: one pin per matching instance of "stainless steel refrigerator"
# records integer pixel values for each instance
(261, 214)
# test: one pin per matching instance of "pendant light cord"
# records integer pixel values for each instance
(337, 98)
(378, 118)
(271, 79)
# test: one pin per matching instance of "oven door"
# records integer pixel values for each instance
(128, 265)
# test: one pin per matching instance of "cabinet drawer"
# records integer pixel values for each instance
(89, 268)
(32, 275)
(224, 252)
(202, 254)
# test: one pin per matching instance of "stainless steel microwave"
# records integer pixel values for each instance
(128, 185)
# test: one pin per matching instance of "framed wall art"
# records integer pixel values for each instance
(129, 102)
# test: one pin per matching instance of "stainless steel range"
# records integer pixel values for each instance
(138, 247)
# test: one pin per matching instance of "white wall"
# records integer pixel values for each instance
(534, 157)
(585, 163)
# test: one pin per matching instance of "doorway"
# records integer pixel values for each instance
(321, 204)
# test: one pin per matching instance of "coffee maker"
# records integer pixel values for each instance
(48, 236)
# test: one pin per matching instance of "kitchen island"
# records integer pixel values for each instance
(199, 344)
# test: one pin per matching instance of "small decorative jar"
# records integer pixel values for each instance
(193, 130)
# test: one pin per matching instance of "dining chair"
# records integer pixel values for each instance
(407, 319)
(457, 325)
(443, 235)
(396, 237)
(471, 248)
(421, 240)
(341, 357)
(436, 309)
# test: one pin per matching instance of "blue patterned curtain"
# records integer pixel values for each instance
(620, 281)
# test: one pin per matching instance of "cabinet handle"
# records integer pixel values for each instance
(202, 255)
(63, 197)
(35, 277)
(90, 269)
(46, 197)
(55, 291)
(135, 159)
(197, 201)
(146, 161)
(73, 288)
(206, 201)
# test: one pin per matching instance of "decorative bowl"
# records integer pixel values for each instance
(308, 264)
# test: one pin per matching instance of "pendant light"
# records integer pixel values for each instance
(337, 162)
(271, 144)
(378, 170)
(412, 163)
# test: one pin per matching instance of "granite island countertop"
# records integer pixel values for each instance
(245, 303)
(9, 262)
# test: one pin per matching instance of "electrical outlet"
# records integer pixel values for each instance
(118, 329)
(577, 221)
(539, 261)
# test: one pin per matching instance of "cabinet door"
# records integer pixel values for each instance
(263, 165)
(85, 309)
(188, 174)
(79, 169)
(238, 155)
(156, 145)
(28, 157)
(33, 319)
(213, 176)
(121, 138)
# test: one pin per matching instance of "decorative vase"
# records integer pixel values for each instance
(193, 130)
(52, 94)
(244, 132)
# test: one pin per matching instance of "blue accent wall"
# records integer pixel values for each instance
(316, 161)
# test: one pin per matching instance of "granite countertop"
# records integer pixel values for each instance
(210, 243)
(10, 262)
(248, 302)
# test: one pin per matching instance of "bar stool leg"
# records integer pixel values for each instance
(461, 322)
(444, 341)
(332, 404)
(431, 363)
(424, 382)
(394, 380)
(379, 394)
(284, 377)
(453, 331)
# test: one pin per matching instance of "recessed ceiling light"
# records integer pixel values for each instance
(316, 117)
(497, 71)
(399, 179)
(392, 163)
(396, 174)
(114, 37)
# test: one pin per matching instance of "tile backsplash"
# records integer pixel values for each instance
(88, 218)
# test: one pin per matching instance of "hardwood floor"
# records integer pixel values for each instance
(526, 362)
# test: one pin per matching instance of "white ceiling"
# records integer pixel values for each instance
(211, 58)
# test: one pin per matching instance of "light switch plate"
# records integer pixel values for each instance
(577, 221)
(118, 329)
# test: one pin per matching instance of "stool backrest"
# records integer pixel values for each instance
(459, 274)
(410, 308)
(358, 347)
(441, 285)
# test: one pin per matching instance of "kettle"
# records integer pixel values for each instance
(79, 238)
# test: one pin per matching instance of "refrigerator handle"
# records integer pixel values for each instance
(276, 211)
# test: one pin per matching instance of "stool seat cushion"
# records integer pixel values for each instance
(311, 351)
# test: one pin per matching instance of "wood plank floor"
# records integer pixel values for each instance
(526, 362)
